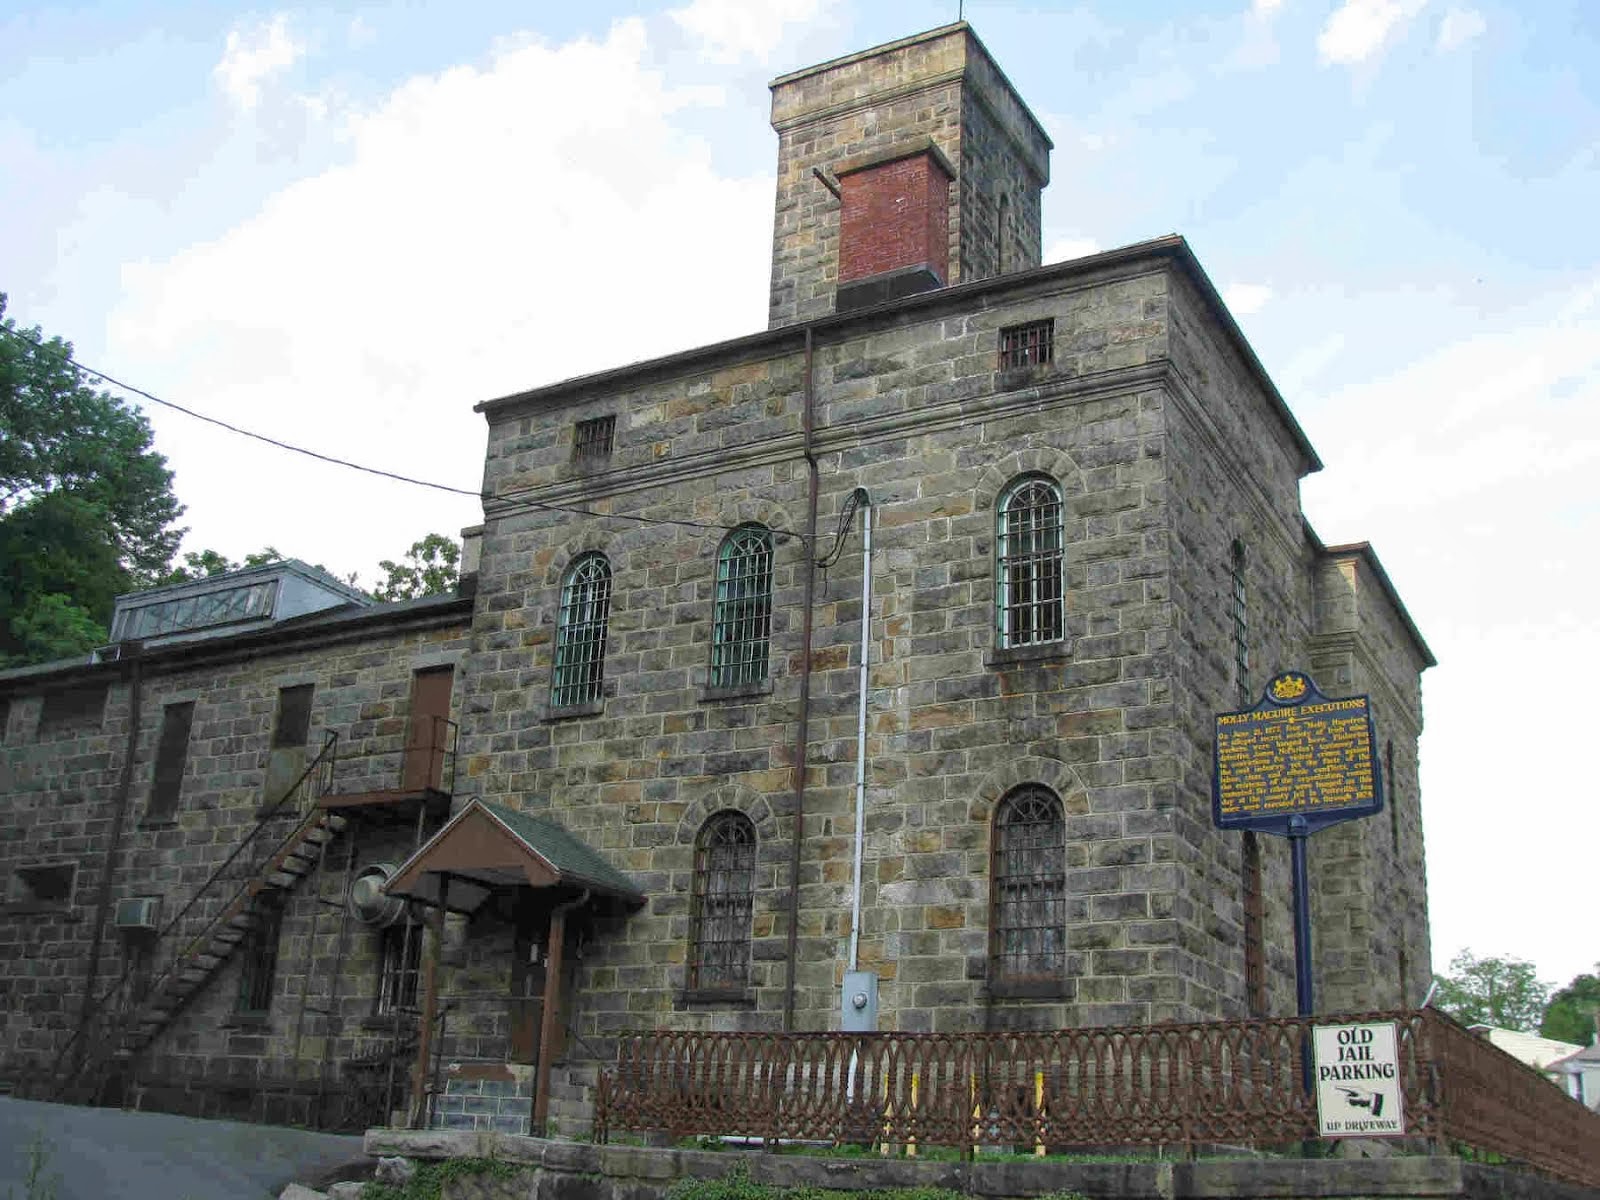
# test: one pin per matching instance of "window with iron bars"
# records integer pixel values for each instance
(1029, 592)
(261, 954)
(1030, 345)
(741, 626)
(1028, 881)
(581, 628)
(592, 439)
(723, 900)
(1241, 625)
(399, 965)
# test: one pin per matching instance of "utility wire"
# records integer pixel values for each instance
(572, 510)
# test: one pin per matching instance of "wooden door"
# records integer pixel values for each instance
(428, 736)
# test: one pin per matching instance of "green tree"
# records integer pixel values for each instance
(203, 564)
(429, 568)
(1574, 1011)
(86, 505)
(1501, 991)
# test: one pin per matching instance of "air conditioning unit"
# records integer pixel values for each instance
(369, 902)
(139, 914)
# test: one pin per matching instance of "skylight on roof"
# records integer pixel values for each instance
(221, 607)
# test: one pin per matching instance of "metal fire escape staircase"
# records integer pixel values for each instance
(194, 945)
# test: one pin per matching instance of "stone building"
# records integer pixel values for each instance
(1081, 492)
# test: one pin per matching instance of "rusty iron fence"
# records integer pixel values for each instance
(1176, 1085)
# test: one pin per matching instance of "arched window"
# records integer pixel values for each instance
(724, 895)
(741, 626)
(581, 632)
(1028, 882)
(1029, 592)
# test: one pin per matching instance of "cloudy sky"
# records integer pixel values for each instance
(344, 225)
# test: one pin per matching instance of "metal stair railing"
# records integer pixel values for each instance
(189, 949)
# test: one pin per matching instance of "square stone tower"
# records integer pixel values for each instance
(901, 169)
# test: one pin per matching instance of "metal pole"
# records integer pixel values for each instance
(1302, 918)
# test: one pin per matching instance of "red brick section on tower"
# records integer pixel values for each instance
(893, 215)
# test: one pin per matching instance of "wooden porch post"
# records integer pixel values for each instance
(430, 1008)
(550, 1018)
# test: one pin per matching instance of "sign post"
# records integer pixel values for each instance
(1297, 762)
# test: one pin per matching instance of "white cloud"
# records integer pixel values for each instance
(731, 30)
(1068, 248)
(252, 56)
(1242, 298)
(492, 227)
(1460, 26)
(1358, 29)
(1265, 8)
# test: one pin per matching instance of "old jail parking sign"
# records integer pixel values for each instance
(1358, 1080)
(1297, 762)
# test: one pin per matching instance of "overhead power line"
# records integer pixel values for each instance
(334, 460)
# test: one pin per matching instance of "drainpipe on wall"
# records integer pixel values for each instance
(119, 819)
(861, 726)
(802, 734)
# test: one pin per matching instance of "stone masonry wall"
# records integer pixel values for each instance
(913, 409)
(58, 799)
(1234, 478)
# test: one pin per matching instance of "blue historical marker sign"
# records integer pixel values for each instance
(1297, 762)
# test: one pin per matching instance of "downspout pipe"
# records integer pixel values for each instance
(802, 736)
(861, 726)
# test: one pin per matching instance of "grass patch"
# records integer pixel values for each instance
(428, 1183)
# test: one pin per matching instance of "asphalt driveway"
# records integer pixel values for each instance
(108, 1154)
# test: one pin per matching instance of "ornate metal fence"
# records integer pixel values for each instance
(1231, 1082)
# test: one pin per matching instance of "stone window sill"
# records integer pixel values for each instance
(1039, 654)
(1028, 989)
(732, 997)
(737, 691)
(567, 712)
(35, 909)
(386, 1022)
(248, 1020)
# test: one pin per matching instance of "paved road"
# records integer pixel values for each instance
(107, 1154)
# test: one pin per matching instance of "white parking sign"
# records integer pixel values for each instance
(1359, 1090)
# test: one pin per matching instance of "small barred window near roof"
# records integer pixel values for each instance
(741, 625)
(592, 439)
(1028, 903)
(1030, 345)
(724, 893)
(1030, 587)
(581, 629)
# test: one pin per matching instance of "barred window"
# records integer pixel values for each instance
(1029, 595)
(741, 626)
(1028, 878)
(581, 632)
(592, 439)
(1241, 625)
(581, 626)
(724, 895)
(1030, 345)
(399, 964)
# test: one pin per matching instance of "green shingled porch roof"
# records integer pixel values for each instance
(564, 851)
